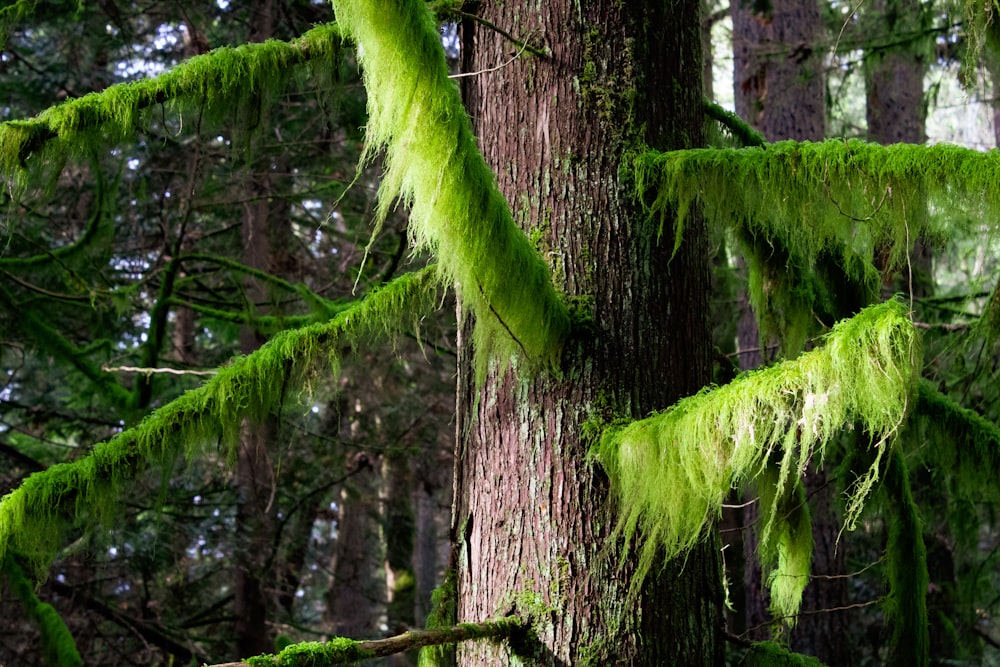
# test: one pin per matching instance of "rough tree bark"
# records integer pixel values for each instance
(532, 516)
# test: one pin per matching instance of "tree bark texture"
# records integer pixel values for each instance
(533, 521)
(778, 68)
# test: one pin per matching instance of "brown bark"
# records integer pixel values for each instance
(778, 69)
(532, 514)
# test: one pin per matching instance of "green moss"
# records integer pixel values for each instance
(224, 83)
(337, 651)
(57, 643)
(773, 654)
(434, 166)
(786, 543)
(822, 223)
(672, 471)
(444, 612)
(33, 516)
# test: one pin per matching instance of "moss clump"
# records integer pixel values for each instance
(434, 166)
(337, 651)
(671, 472)
(773, 654)
(33, 516)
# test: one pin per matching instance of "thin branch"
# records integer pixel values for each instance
(151, 371)
(523, 45)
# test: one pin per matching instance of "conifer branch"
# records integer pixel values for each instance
(742, 130)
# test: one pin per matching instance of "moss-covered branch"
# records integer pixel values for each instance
(50, 341)
(671, 472)
(745, 133)
(812, 214)
(342, 651)
(222, 82)
(34, 516)
(975, 435)
(434, 166)
(57, 643)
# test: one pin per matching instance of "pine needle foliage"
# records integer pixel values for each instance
(224, 83)
(672, 471)
(823, 222)
(434, 167)
(58, 645)
(34, 516)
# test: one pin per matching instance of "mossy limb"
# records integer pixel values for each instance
(33, 516)
(434, 167)
(671, 472)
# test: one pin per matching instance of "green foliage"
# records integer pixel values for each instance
(33, 516)
(59, 648)
(434, 166)
(906, 568)
(222, 83)
(821, 223)
(671, 472)
(444, 613)
(787, 556)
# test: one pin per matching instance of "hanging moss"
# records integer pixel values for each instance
(434, 166)
(224, 83)
(672, 471)
(822, 223)
(906, 569)
(33, 516)
(57, 643)
(787, 555)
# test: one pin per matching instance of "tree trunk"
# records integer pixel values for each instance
(533, 521)
(356, 599)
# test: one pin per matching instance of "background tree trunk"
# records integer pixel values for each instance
(532, 513)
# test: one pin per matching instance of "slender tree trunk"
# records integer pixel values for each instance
(356, 600)
(532, 519)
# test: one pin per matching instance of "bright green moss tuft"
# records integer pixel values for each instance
(434, 166)
(671, 472)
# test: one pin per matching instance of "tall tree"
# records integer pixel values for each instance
(610, 81)
(586, 491)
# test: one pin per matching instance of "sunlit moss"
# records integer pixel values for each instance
(672, 471)
(433, 166)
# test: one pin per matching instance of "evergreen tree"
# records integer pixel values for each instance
(575, 233)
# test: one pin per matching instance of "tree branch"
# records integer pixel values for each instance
(339, 651)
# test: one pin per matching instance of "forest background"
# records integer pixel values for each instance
(143, 262)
